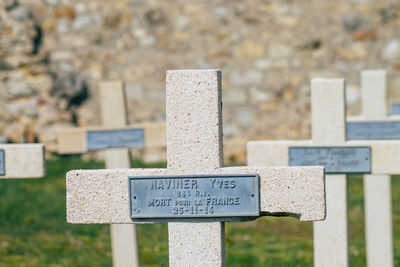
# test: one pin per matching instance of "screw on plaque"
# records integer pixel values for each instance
(136, 210)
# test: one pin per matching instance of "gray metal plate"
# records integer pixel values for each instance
(180, 197)
(378, 130)
(2, 163)
(395, 109)
(106, 139)
(336, 160)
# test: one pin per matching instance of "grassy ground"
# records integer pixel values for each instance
(33, 231)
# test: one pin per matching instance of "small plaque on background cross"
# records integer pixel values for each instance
(121, 138)
(336, 160)
(373, 130)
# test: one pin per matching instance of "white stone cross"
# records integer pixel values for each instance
(194, 147)
(114, 118)
(329, 130)
(377, 188)
(114, 114)
(22, 161)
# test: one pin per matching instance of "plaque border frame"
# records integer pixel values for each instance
(256, 187)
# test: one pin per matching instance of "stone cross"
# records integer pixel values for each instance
(377, 187)
(114, 114)
(115, 137)
(340, 156)
(22, 161)
(194, 147)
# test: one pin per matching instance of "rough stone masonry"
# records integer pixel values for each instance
(53, 54)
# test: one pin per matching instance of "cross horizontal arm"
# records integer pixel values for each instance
(101, 196)
(392, 118)
(289, 191)
(22, 161)
(75, 140)
(385, 154)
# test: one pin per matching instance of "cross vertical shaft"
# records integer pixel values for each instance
(377, 188)
(194, 145)
(114, 114)
(373, 94)
(328, 111)
(329, 128)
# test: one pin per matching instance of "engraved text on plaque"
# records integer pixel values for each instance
(336, 160)
(194, 196)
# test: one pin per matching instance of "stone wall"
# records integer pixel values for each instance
(53, 53)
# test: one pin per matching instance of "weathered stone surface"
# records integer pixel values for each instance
(23, 160)
(101, 196)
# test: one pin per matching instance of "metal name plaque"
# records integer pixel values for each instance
(379, 130)
(106, 139)
(395, 109)
(336, 160)
(2, 163)
(180, 197)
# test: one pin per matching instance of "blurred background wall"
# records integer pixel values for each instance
(53, 53)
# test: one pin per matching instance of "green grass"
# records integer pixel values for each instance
(33, 231)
